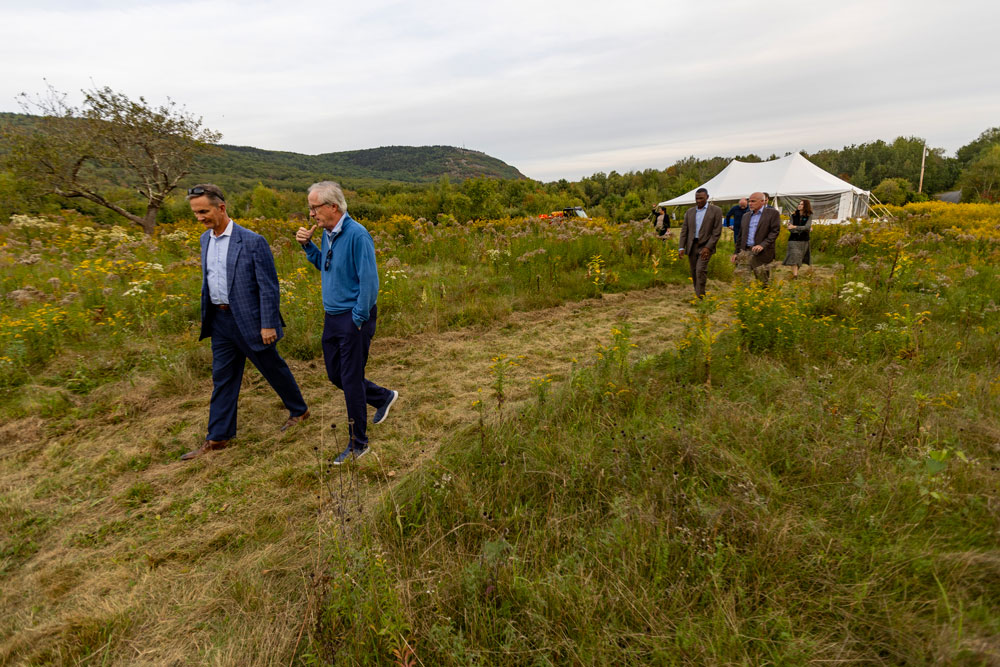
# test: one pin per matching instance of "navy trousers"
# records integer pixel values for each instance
(229, 355)
(345, 351)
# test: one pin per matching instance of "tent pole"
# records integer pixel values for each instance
(885, 212)
(923, 161)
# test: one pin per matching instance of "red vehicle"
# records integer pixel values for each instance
(568, 212)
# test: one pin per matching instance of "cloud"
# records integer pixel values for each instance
(558, 89)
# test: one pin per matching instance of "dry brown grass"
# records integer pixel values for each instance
(142, 559)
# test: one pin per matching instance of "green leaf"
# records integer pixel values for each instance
(934, 466)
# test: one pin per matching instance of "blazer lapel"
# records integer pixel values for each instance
(775, 217)
(235, 244)
(204, 255)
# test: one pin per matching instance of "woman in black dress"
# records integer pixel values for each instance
(798, 239)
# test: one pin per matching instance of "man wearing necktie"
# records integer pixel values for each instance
(758, 233)
(699, 235)
(239, 311)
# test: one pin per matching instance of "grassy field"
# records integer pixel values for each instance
(583, 466)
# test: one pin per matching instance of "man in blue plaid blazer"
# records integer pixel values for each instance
(239, 311)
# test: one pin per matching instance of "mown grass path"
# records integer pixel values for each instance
(125, 555)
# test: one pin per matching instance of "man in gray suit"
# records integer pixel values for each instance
(758, 232)
(699, 235)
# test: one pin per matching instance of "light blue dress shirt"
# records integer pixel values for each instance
(332, 233)
(699, 217)
(752, 232)
(215, 265)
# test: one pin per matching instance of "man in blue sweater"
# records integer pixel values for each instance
(346, 261)
(735, 217)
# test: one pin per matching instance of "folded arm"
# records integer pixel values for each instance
(804, 227)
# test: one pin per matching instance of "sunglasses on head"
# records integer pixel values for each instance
(198, 191)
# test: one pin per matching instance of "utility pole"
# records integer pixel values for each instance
(923, 160)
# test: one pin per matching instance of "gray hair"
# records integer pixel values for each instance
(330, 193)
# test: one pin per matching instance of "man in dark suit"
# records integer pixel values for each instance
(239, 310)
(699, 235)
(758, 232)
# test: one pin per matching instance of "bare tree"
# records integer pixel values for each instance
(111, 141)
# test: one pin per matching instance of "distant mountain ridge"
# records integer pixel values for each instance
(246, 165)
(409, 164)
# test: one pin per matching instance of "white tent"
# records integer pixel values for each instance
(787, 180)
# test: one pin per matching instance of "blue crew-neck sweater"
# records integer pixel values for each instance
(351, 282)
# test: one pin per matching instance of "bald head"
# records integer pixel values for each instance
(757, 201)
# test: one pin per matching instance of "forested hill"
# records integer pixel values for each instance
(412, 164)
(244, 166)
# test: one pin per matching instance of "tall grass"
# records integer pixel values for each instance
(805, 473)
(830, 495)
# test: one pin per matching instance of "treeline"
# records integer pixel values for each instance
(890, 169)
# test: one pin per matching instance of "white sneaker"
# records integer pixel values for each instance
(383, 412)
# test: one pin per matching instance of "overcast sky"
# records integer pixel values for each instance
(559, 89)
